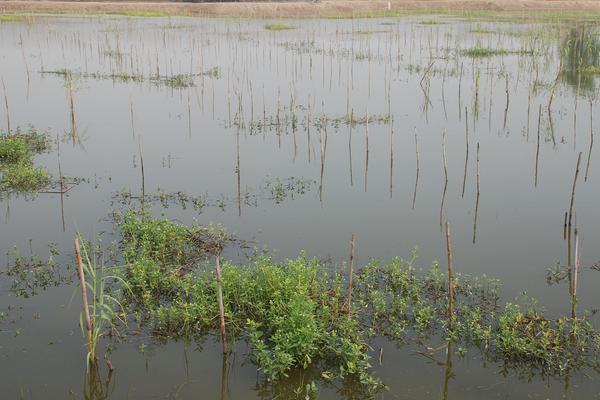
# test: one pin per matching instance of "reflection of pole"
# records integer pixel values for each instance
(447, 370)
(224, 377)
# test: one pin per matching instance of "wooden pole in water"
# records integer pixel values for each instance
(587, 167)
(417, 169)
(467, 151)
(72, 107)
(220, 301)
(573, 191)
(86, 311)
(575, 277)
(142, 169)
(477, 199)
(577, 255)
(350, 272)
(450, 273)
(6, 105)
(537, 151)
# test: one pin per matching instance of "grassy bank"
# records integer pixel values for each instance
(473, 9)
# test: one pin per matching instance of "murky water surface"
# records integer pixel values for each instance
(239, 144)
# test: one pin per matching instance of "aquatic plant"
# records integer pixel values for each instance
(177, 81)
(580, 53)
(102, 309)
(24, 177)
(30, 274)
(19, 146)
(295, 313)
(16, 153)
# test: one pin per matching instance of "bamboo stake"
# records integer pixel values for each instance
(417, 175)
(477, 199)
(86, 311)
(577, 256)
(573, 190)
(142, 169)
(587, 166)
(6, 105)
(350, 272)
(220, 301)
(450, 278)
(466, 151)
(537, 152)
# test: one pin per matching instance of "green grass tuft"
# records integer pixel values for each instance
(278, 27)
(11, 18)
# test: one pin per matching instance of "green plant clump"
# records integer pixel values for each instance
(179, 81)
(295, 314)
(24, 177)
(16, 164)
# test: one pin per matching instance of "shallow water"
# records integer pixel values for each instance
(287, 188)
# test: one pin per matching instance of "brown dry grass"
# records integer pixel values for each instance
(298, 9)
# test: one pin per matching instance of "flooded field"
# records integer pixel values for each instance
(293, 136)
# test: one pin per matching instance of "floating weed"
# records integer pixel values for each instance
(288, 188)
(177, 81)
(31, 274)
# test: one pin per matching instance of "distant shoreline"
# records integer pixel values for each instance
(534, 9)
